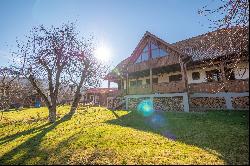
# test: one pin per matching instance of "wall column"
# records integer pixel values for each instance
(223, 76)
(151, 80)
(108, 84)
(127, 83)
(186, 102)
(222, 69)
(228, 102)
(184, 75)
(126, 99)
(186, 97)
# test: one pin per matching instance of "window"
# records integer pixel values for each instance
(119, 85)
(139, 82)
(177, 77)
(144, 55)
(91, 98)
(132, 83)
(96, 99)
(136, 83)
(157, 51)
(213, 75)
(196, 75)
(155, 80)
(229, 73)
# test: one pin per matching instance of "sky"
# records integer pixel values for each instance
(117, 24)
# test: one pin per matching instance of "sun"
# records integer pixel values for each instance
(103, 53)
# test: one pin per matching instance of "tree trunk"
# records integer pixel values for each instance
(78, 94)
(75, 103)
(52, 114)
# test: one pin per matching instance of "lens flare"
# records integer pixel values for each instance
(157, 120)
(145, 108)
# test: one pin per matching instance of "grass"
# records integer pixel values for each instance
(100, 136)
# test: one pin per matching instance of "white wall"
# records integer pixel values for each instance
(202, 74)
(241, 68)
(242, 71)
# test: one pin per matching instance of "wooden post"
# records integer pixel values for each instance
(223, 76)
(151, 80)
(108, 84)
(127, 83)
(222, 69)
(122, 85)
(185, 80)
(184, 75)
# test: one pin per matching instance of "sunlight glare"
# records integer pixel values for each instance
(103, 53)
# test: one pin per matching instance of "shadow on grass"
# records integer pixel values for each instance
(10, 138)
(30, 148)
(225, 132)
(13, 109)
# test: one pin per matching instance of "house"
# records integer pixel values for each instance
(99, 96)
(34, 100)
(209, 71)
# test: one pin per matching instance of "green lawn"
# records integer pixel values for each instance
(100, 136)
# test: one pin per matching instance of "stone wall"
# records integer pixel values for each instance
(206, 103)
(240, 102)
(168, 103)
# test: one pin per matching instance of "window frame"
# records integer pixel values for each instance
(215, 73)
(175, 75)
(155, 82)
(196, 77)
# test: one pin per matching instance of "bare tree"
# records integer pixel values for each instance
(228, 13)
(7, 88)
(13, 89)
(54, 57)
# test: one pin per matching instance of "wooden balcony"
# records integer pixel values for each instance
(213, 87)
(138, 90)
(171, 87)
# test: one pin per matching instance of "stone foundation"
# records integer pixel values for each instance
(168, 103)
(240, 102)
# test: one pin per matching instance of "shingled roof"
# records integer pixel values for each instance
(214, 44)
(206, 46)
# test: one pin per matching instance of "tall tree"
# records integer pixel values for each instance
(56, 56)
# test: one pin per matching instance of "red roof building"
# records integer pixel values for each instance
(98, 96)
